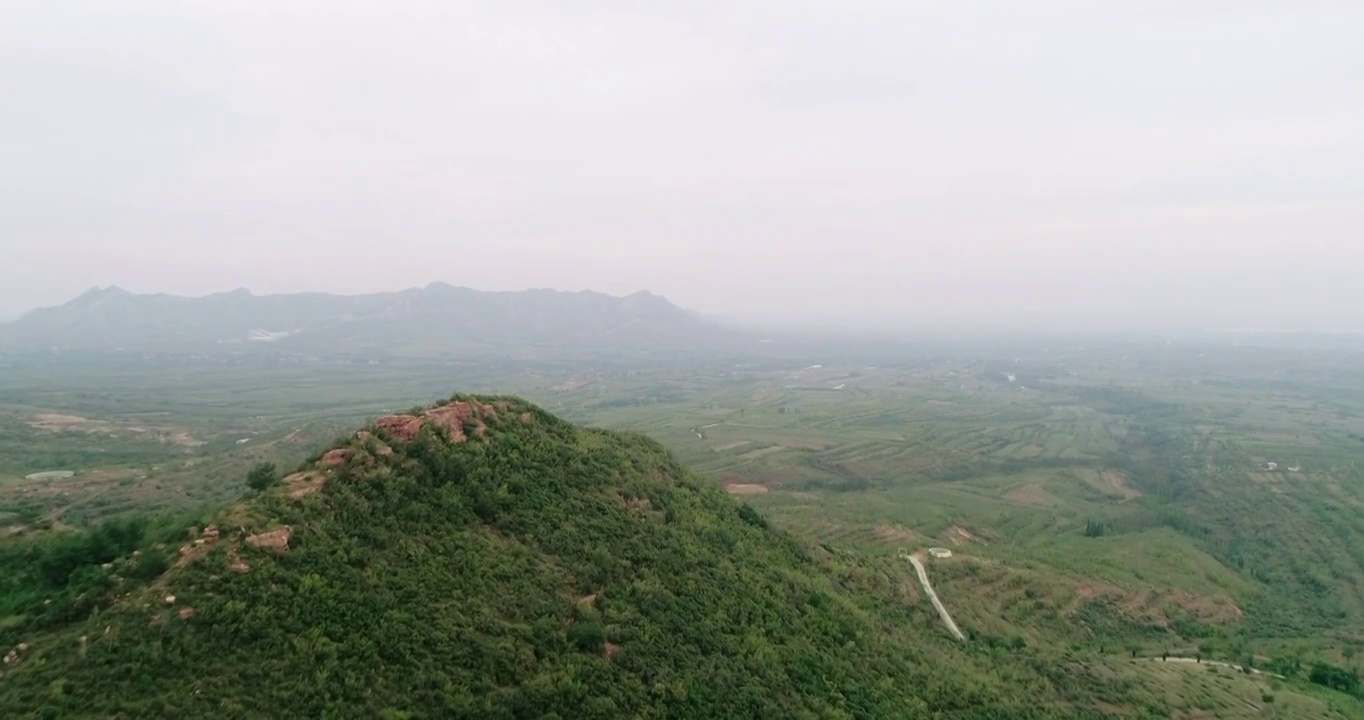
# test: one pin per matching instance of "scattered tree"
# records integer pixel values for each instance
(262, 476)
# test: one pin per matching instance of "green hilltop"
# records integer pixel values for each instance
(482, 558)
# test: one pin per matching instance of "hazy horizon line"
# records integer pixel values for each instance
(848, 327)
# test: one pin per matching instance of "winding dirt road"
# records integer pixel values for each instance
(933, 596)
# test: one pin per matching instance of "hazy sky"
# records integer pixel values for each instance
(1050, 163)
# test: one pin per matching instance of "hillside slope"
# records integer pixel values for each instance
(437, 319)
(483, 558)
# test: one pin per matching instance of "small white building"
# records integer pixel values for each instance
(940, 553)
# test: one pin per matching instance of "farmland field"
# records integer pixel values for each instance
(1110, 499)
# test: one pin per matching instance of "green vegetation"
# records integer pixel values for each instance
(1110, 498)
(262, 477)
(534, 570)
(53, 579)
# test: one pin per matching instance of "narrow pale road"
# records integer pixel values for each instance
(933, 597)
(1237, 668)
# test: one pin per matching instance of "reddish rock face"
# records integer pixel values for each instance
(451, 417)
(403, 427)
(277, 540)
(335, 458)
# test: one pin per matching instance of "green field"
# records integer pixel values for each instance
(1105, 499)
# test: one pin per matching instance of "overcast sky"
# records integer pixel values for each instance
(1048, 163)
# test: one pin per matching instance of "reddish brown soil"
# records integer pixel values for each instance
(451, 417)
(277, 540)
(334, 458)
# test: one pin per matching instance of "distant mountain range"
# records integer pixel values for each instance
(439, 319)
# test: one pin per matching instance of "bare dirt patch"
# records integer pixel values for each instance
(334, 458)
(1031, 495)
(301, 484)
(1113, 483)
(957, 535)
(54, 421)
(277, 540)
(893, 533)
(1211, 609)
(181, 438)
(746, 489)
(1119, 484)
(731, 445)
(1156, 607)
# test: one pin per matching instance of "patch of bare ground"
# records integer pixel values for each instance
(745, 489)
(55, 422)
(334, 458)
(198, 544)
(893, 533)
(731, 445)
(302, 484)
(181, 438)
(1155, 607)
(277, 540)
(1031, 495)
(1112, 483)
(957, 535)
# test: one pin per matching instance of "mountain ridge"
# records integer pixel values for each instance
(439, 318)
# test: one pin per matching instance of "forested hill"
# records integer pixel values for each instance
(482, 558)
(436, 320)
